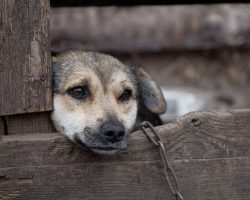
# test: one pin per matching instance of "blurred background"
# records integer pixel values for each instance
(199, 54)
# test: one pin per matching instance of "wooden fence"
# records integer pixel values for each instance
(209, 152)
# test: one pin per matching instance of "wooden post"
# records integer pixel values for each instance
(25, 69)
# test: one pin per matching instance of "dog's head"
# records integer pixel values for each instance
(96, 99)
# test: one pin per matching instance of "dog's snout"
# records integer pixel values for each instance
(113, 131)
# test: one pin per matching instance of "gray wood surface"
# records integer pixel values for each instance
(208, 150)
(151, 29)
(25, 71)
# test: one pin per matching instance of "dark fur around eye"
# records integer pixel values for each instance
(126, 95)
(79, 92)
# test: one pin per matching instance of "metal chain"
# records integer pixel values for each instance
(168, 170)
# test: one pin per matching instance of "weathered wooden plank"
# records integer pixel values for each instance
(29, 123)
(151, 29)
(216, 179)
(209, 152)
(198, 135)
(25, 71)
(68, 3)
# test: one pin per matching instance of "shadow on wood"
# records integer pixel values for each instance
(208, 150)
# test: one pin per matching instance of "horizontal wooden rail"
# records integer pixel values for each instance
(69, 3)
(151, 29)
(208, 150)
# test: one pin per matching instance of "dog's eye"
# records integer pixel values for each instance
(79, 92)
(126, 95)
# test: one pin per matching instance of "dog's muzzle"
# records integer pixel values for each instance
(110, 138)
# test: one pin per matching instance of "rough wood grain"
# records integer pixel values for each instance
(208, 150)
(25, 71)
(223, 179)
(29, 123)
(197, 135)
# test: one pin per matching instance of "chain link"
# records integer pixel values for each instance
(168, 170)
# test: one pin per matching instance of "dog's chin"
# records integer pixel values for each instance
(98, 146)
(104, 151)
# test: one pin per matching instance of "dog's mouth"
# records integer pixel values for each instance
(104, 148)
(98, 145)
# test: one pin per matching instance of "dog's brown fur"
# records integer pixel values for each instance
(107, 81)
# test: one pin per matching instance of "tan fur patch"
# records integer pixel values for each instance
(101, 104)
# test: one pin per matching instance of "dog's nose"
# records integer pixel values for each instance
(113, 131)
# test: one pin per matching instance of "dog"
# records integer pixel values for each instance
(98, 101)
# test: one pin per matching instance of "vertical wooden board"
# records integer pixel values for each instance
(25, 69)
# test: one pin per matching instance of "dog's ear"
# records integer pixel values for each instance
(150, 92)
